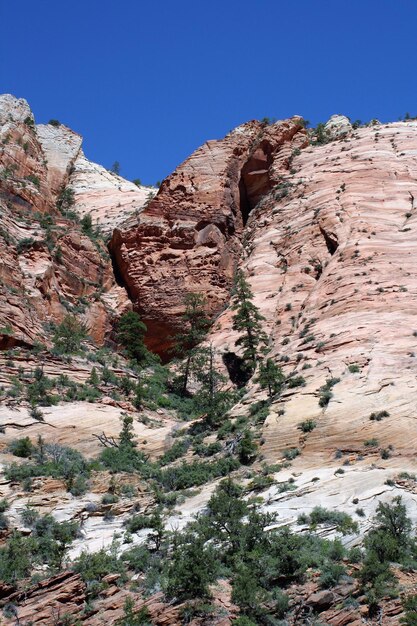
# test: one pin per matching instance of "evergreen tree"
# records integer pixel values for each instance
(131, 333)
(247, 448)
(94, 379)
(87, 224)
(115, 168)
(196, 325)
(247, 320)
(212, 397)
(69, 334)
(194, 565)
(270, 377)
(139, 393)
(127, 437)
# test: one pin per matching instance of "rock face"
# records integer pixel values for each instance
(188, 238)
(338, 127)
(107, 197)
(332, 269)
(49, 267)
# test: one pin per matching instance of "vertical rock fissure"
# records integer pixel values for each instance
(330, 240)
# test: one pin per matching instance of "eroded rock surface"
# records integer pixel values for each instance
(189, 237)
(49, 266)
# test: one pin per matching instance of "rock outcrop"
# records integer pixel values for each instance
(338, 127)
(49, 266)
(188, 238)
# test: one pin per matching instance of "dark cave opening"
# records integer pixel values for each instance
(244, 204)
(254, 181)
(331, 242)
(239, 374)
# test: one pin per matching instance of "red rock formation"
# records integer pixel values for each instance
(48, 265)
(189, 237)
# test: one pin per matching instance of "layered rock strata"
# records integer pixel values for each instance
(188, 238)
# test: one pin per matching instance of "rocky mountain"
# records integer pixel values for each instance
(321, 223)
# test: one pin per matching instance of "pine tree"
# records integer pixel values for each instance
(69, 335)
(115, 168)
(94, 379)
(247, 320)
(139, 394)
(247, 448)
(131, 333)
(212, 397)
(196, 325)
(127, 437)
(270, 377)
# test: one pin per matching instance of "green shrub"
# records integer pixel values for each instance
(133, 618)
(34, 180)
(22, 448)
(330, 575)
(296, 381)
(51, 460)
(410, 608)
(290, 453)
(307, 426)
(29, 516)
(353, 368)
(326, 391)
(378, 416)
(177, 450)
(261, 483)
(45, 546)
(109, 498)
(24, 244)
(208, 450)
(319, 516)
(123, 459)
(194, 474)
(247, 448)
(94, 566)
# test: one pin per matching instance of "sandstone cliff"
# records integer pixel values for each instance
(323, 228)
(49, 266)
(189, 238)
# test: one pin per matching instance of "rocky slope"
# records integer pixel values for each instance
(324, 232)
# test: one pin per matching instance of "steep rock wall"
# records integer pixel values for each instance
(188, 239)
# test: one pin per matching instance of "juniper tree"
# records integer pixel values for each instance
(247, 320)
(195, 327)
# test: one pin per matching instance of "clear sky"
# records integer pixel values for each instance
(146, 83)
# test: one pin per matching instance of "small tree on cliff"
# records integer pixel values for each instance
(195, 327)
(131, 333)
(212, 397)
(247, 320)
(270, 377)
(69, 335)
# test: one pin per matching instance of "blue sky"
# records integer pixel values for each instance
(146, 83)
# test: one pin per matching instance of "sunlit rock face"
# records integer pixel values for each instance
(49, 267)
(188, 238)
